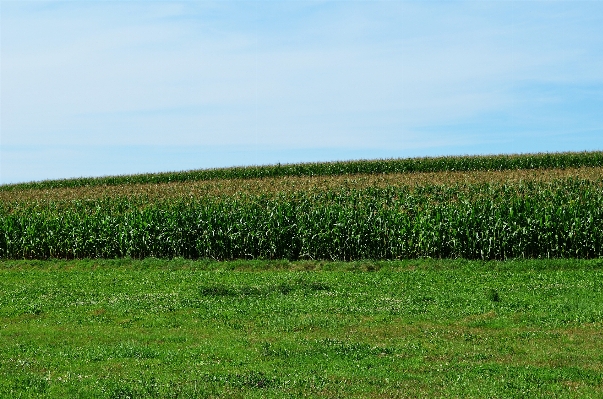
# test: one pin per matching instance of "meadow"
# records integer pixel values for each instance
(429, 277)
(406, 329)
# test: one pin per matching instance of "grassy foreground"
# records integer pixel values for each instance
(417, 328)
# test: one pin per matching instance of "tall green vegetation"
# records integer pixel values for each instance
(525, 213)
(562, 218)
(406, 165)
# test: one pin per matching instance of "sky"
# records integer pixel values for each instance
(95, 88)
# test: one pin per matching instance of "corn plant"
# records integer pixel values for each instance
(406, 165)
(562, 218)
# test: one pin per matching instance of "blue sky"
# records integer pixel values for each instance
(102, 88)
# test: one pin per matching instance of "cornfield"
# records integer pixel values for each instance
(529, 217)
(388, 166)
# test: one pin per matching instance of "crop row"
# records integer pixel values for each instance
(428, 164)
(275, 186)
(483, 221)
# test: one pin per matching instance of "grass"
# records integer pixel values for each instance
(419, 328)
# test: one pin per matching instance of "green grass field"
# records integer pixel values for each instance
(192, 329)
